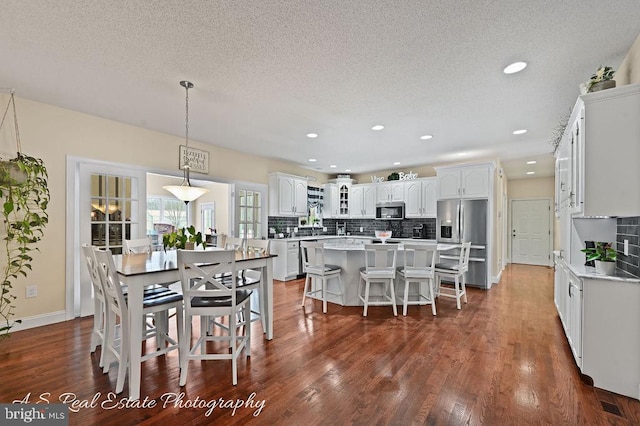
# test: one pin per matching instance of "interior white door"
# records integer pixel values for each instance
(530, 232)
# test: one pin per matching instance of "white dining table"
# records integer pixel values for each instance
(143, 269)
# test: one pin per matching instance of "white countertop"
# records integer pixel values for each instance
(589, 272)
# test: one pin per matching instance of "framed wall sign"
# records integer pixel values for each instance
(198, 159)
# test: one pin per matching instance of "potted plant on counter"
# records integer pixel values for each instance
(183, 238)
(605, 257)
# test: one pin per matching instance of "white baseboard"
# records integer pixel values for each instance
(496, 280)
(39, 321)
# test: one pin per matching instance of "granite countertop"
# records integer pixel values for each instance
(589, 272)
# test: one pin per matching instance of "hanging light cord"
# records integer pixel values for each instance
(15, 119)
(186, 128)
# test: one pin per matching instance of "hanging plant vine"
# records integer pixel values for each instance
(25, 195)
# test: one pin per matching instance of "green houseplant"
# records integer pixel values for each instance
(604, 255)
(24, 194)
(183, 238)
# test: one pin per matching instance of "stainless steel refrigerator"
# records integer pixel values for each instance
(460, 221)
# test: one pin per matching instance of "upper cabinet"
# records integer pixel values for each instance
(363, 202)
(602, 139)
(287, 195)
(337, 199)
(468, 181)
(390, 191)
(331, 202)
(420, 197)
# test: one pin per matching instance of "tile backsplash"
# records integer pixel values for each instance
(628, 228)
(400, 228)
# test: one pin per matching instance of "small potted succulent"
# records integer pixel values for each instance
(604, 256)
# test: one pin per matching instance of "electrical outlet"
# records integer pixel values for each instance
(32, 291)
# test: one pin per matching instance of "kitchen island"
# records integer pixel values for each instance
(348, 254)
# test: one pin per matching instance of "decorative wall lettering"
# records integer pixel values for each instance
(377, 179)
(408, 176)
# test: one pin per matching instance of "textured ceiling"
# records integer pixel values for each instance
(267, 72)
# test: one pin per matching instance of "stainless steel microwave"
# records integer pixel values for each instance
(390, 211)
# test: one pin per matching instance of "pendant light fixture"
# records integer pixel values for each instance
(185, 191)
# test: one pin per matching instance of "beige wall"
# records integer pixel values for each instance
(629, 70)
(53, 133)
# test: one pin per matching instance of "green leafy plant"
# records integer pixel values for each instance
(602, 252)
(179, 239)
(25, 197)
(602, 74)
(394, 176)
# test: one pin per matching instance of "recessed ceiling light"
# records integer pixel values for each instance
(397, 163)
(520, 132)
(348, 170)
(515, 67)
(333, 166)
(312, 160)
(531, 173)
(377, 127)
(425, 137)
(461, 154)
(312, 135)
(531, 162)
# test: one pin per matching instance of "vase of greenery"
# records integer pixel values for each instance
(604, 256)
(183, 238)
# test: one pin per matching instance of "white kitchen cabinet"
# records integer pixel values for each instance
(331, 201)
(574, 313)
(467, 181)
(363, 201)
(420, 197)
(604, 130)
(286, 266)
(287, 195)
(388, 192)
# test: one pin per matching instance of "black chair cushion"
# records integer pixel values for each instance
(161, 298)
(218, 302)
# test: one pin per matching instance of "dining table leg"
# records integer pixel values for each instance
(135, 348)
(267, 293)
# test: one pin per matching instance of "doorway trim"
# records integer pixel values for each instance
(551, 231)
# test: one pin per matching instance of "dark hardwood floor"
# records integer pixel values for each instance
(501, 360)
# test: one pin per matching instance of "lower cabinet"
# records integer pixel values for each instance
(286, 266)
(600, 319)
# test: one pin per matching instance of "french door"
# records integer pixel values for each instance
(108, 205)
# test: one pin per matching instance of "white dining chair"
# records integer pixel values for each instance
(234, 243)
(207, 296)
(454, 271)
(140, 245)
(117, 330)
(419, 261)
(318, 272)
(380, 267)
(99, 309)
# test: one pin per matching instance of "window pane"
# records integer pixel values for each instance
(115, 210)
(256, 199)
(250, 199)
(126, 182)
(98, 185)
(98, 207)
(241, 230)
(98, 232)
(243, 214)
(115, 234)
(113, 189)
(249, 215)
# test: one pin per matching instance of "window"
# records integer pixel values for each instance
(165, 211)
(208, 217)
(249, 212)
